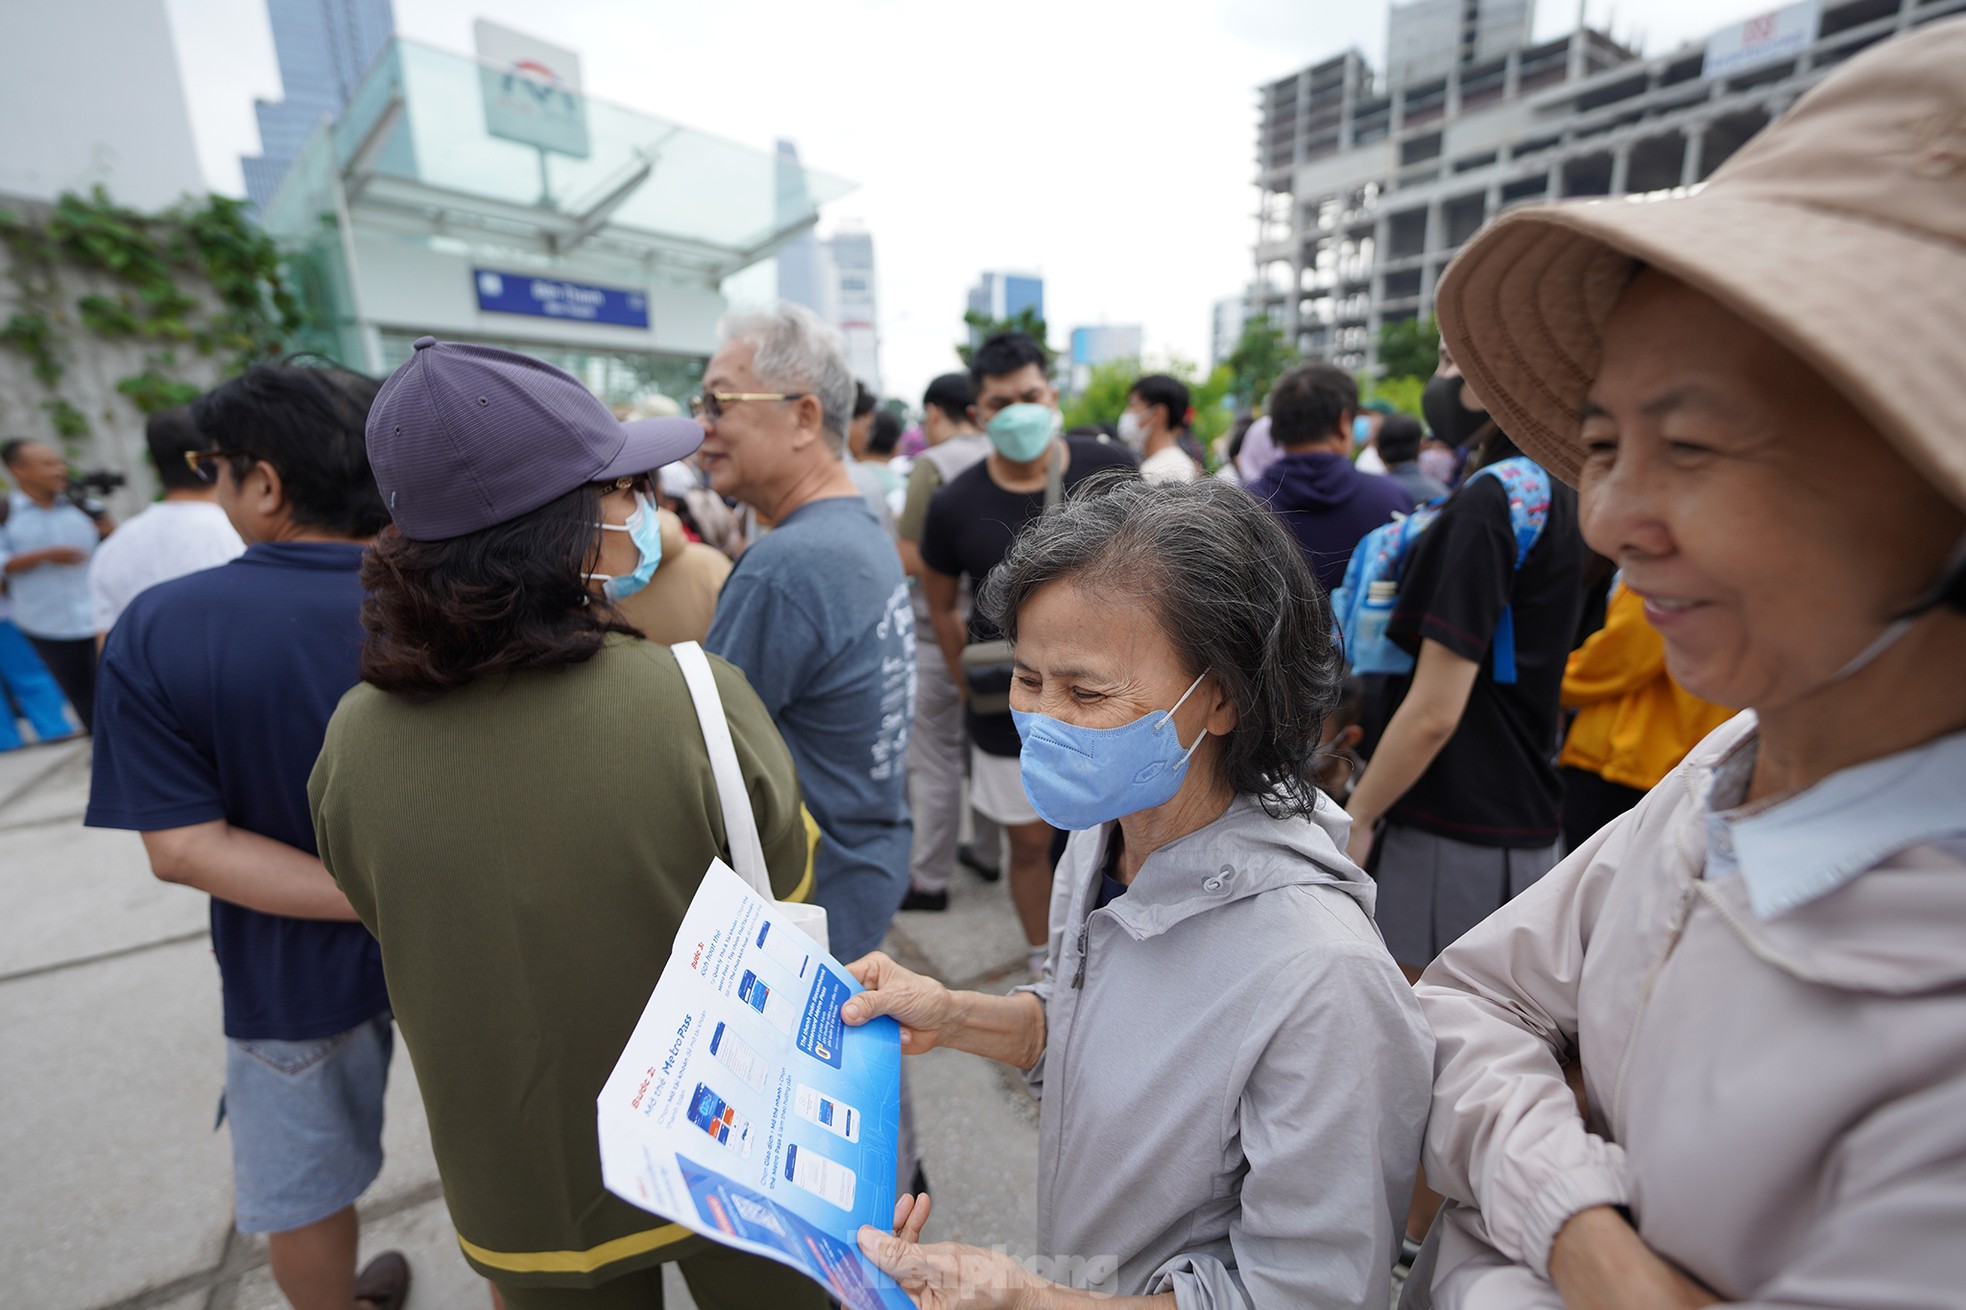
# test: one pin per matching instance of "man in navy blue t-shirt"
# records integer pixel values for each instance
(214, 693)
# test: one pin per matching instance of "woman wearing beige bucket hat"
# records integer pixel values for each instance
(1760, 393)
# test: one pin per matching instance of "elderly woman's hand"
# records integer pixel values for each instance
(948, 1275)
(922, 1006)
(1599, 1263)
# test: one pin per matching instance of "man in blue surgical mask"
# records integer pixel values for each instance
(970, 525)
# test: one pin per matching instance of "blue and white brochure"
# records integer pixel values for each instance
(743, 1107)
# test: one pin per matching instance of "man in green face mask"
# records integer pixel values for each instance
(968, 530)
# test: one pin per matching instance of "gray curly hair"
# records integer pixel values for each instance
(1233, 595)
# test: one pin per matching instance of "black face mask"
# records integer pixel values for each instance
(1450, 420)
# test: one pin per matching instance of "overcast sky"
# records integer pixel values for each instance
(1104, 144)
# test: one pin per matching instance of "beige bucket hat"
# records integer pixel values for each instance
(1840, 231)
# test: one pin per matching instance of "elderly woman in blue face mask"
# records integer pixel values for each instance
(1233, 1073)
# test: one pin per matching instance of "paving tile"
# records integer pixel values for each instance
(73, 892)
(116, 1182)
(439, 1278)
(978, 936)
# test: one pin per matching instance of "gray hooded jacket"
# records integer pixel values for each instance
(1236, 1077)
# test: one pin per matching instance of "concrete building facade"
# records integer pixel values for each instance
(79, 110)
(857, 315)
(1367, 187)
(1425, 38)
(1093, 346)
(1005, 295)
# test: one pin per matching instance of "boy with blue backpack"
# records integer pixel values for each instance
(1468, 608)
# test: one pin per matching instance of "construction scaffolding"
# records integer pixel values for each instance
(1366, 189)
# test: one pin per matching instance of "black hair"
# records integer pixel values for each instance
(439, 615)
(1233, 594)
(953, 394)
(11, 448)
(1171, 394)
(1308, 403)
(886, 434)
(1003, 353)
(1491, 446)
(863, 400)
(1399, 438)
(171, 435)
(307, 422)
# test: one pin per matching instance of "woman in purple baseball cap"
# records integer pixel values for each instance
(519, 804)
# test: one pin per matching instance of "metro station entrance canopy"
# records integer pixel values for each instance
(484, 163)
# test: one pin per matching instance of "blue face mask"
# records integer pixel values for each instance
(1361, 431)
(644, 528)
(1021, 432)
(1078, 778)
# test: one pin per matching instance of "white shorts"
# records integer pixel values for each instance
(996, 788)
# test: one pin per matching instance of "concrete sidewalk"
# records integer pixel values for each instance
(117, 1191)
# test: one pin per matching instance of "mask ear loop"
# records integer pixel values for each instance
(641, 507)
(1942, 592)
(1168, 718)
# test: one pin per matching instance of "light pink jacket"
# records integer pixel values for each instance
(1781, 1103)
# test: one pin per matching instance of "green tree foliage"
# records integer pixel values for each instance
(1409, 348)
(1024, 320)
(148, 259)
(1402, 393)
(1261, 357)
(1104, 395)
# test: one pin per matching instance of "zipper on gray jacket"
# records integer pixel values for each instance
(1085, 927)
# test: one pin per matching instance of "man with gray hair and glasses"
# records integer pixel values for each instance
(817, 612)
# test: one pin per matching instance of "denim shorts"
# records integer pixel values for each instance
(306, 1123)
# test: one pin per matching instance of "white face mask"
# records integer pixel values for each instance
(1132, 431)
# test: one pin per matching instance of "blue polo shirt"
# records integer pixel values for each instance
(51, 601)
(212, 698)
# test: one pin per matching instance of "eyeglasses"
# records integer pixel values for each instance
(633, 482)
(711, 404)
(205, 462)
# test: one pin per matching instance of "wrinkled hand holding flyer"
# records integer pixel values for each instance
(745, 1109)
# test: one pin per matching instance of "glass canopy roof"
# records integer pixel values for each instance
(439, 138)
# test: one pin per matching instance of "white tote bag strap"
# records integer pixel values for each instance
(747, 855)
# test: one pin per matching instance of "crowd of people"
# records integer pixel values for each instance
(1514, 848)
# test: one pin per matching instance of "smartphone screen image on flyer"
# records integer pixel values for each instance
(773, 1004)
(777, 943)
(834, 1116)
(829, 1180)
(708, 1111)
(739, 1058)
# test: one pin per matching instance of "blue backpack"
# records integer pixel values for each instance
(1381, 558)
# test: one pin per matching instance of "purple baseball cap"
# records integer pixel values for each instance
(463, 437)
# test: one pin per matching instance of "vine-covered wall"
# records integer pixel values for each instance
(108, 314)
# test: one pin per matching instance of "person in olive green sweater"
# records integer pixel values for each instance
(518, 803)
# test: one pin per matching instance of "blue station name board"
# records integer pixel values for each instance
(500, 292)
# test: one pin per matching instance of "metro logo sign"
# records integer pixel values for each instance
(531, 91)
